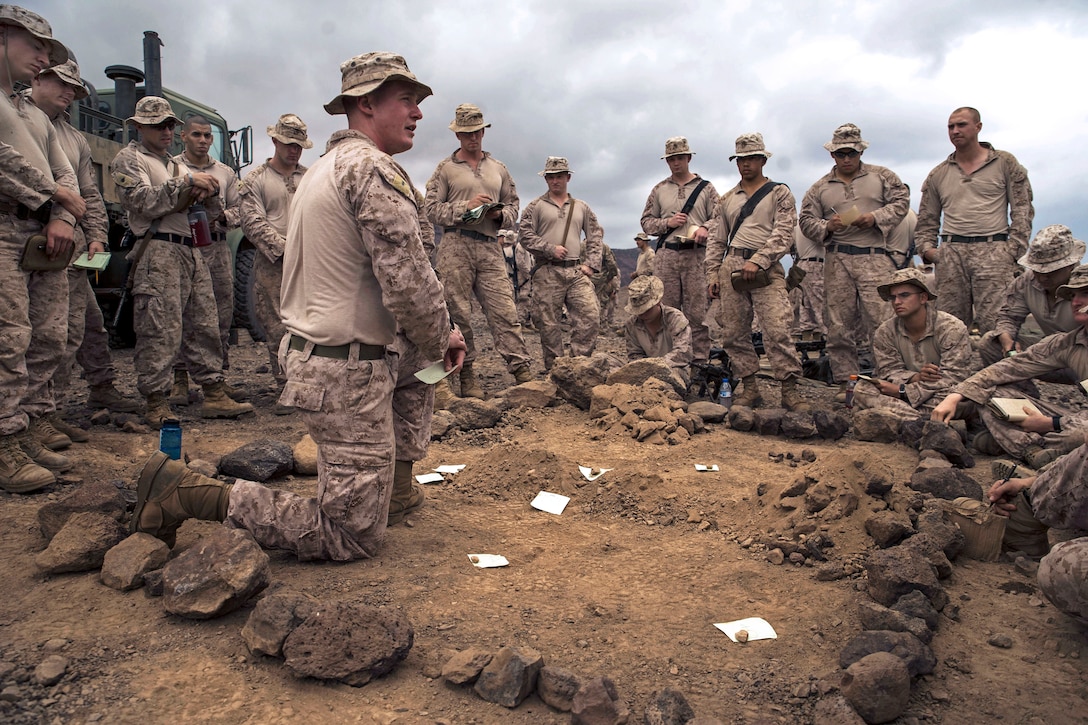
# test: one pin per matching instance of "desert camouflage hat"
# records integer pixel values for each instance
(1077, 282)
(69, 73)
(677, 146)
(37, 26)
(506, 234)
(750, 144)
(468, 118)
(910, 275)
(290, 129)
(366, 73)
(555, 165)
(1053, 248)
(846, 136)
(151, 110)
(642, 237)
(643, 293)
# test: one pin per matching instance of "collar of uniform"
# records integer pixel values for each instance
(345, 134)
(545, 197)
(738, 189)
(694, 180)
(863, 170)
(165, 158)
(1080, 337)
(299, 169)
(990, 155)
(453, 157)
(180, 158)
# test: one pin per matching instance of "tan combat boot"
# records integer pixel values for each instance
(469, 387)
(217, 404)
(18, 473)
(107, 396)
(443, 396)
(158, 410)
(47, 433)
(522, 374)
(235, 394)
(407, 494)
(179, 393)
(74, 433)
(32, 446)
(750, 395)
(167, 493)
(791, 397)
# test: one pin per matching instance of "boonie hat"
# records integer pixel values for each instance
(468, 118)
(152, 110)
(69, 73)
(642, 237)
(37, 26)
(910, 275)
(555, 165)
(1077, 281)
(1053, 248)
(290, 129)
(643, 293)
(366, 73)
(677, 146)
(750, 144)
(505, 233)
(846, 136)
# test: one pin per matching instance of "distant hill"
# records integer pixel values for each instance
(625, 260)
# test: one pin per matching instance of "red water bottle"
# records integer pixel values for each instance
(198, 225)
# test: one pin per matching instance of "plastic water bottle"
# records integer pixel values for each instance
(850, 391)
(725, 393)
(170, 438)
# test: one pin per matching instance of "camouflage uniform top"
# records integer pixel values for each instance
(667, 198)
(998, 189)
(229, 199)
(149, 187)
(874, 189)
(32, 162)
(364, 270)
(1059, 497)
(945, 343)
(515, 254)
(673, 342)
(805, 247)
(1051, 354)
(542, 225)
(900, 239)
(608, 272)
(95, 224)
(768, 230)
(644, 267)
(265, 203)
(1025, 297)
(453, 185)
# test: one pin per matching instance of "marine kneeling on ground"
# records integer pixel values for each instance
(654, 329)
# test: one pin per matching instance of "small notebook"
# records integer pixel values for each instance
(1012, 409)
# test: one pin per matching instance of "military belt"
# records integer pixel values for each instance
(471, 234)
(338, 352)
(972, 240)
(678, 246)
(811, 259)
(24, 212)
(741, 252)
(848, 249)
(565, 262)
(173, 239)
(219, 237)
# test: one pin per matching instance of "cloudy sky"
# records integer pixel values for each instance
(605, 82)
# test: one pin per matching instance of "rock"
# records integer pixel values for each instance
(709, 412)
(741, 417)
(50, 670)
(918, 657)
(670, 707)
(799, 486)
(842, 506)
(768, 421)
(877, 485)
(875, 616)
(935, 529)
(258, 461)
(98, 496)
(876, 426)
(818, 497)
(898, 571)
(776, 556)
(638, 372)
(474, 414)
(926, 464)
(533, 394)
(276, 616)
(944, 439)
(124, 566)
(223, 571)
(830, 571)
(153, 583)
(574, 377)
(1003, 641)
(304, 456)
(101, 417)
(598, 703)
(925, 545)
(348, 642)
(557, 687)
(910, 432)
(917, 605)
(465, 666)
(441, 423)
(878, 686)
(798, 426)
(835, 710)
(511, 675)
(830, 425)
(946, 483)
(888, 528)
(81, 544)
(203, 467)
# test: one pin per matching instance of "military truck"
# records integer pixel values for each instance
(100, 118)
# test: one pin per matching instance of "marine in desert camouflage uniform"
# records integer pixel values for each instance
(606, 284)
(808, 297)
(654, 329)
(519, 268)
(644, 265)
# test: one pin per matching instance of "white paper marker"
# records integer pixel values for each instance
(592, 474)
(703, 468)
(451, 468)
(430, 478)
(756, 627)
(552, 503)
(433, 373)
(487, 561)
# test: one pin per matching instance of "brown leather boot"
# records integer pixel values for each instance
(750, 395)
(469, 387)
(522, 373)
(179, 393)
(158, 410)
(235, 394)
(18, 473)
(108, 396)
(443, 396)
(217, 404)
(168, 493)
(407, 494)
(32, 446)
(74, 433)
(791, 398)
(44, 430)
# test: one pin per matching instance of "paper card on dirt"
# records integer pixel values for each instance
(488, 561)
(705, 468)
(756, 627)
(592, 474)
(430, 478)
(552, 503)
(451, 468)
(433, 373)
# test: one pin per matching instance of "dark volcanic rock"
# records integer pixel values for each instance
(223, 571)
(878, 686)
(258, 461)
(98, 496)
(598, 703)
(276, 616)
(557, 687)
(898, 571)
(918, 657)
(831, 425)
(511, 675)
(741, 418)
(888, 528)
(81, 544)
(946, 483)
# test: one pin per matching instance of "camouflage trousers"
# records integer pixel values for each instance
(267, 278)
(1015, 440)
(989, 349)
(773, 307)
(413, 402)
(868, 396)
(854, 308)
(175, 317)
(553, 288)
(682, 272)
(523, 300)
(33, 329)
(472, 268)
(221, 268)
(971, 280)
(346, 406)
(88, 341)
(606, 302)
(808, 300)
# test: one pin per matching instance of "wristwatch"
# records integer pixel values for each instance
(903, 392)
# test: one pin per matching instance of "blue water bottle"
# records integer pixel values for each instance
(725, 393)
(170, 438)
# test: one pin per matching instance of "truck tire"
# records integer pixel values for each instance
(245, 307)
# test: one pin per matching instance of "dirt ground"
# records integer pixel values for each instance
(627, 583)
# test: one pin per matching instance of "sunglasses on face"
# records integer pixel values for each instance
(845, 153)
